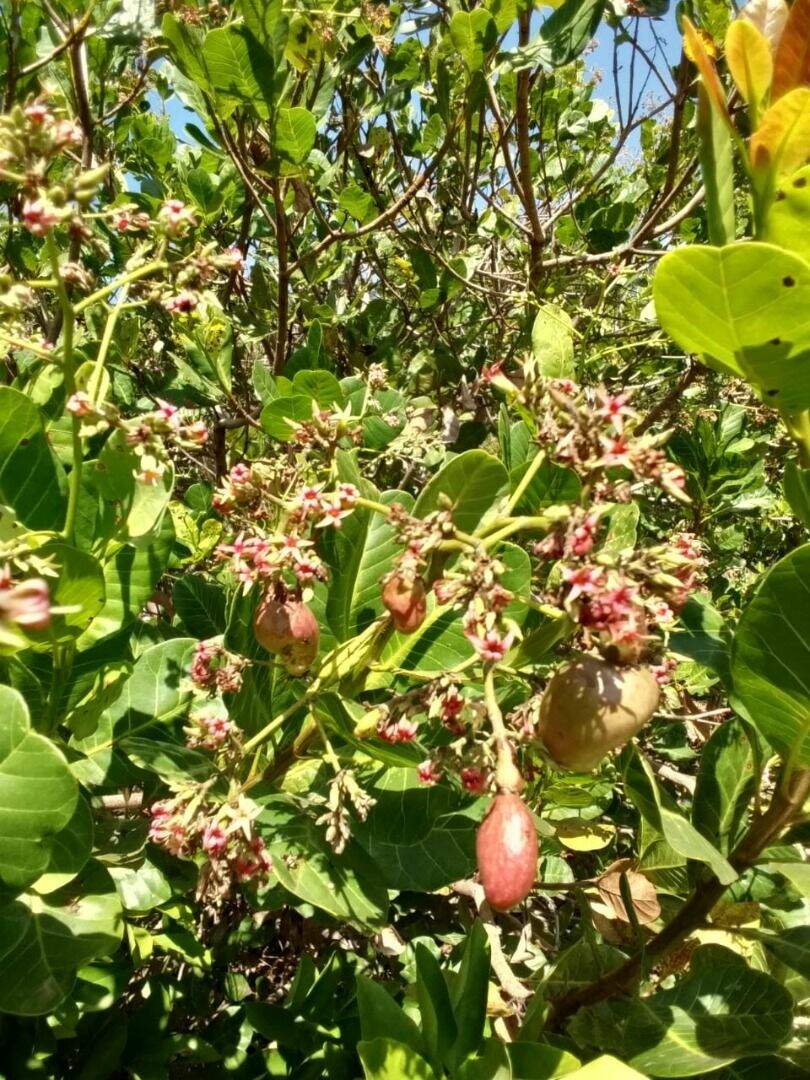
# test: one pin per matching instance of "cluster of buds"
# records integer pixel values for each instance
(214, 669)
(210, 728)
(476, 582)
(197, 271)
(25, 606)
(618, 599)
(146, 435)
(344, 793)
(189, 824)
(32, 137)
(326, 429)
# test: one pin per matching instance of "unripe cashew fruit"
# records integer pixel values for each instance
(289, 630)
(506, 848)
(404, 596)
(591, 707)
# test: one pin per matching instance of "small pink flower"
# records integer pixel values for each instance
(235, 258)
(492, 371)
(67, 133)
(168, 412)
(348, 495)
(37, 113)
(196, 432)
(550, 547)
(491, 646)
(122, 222)
(306, 570)
(39, 216)
(27, 604)
(474, 780)
(429, 772)
(175, 217)
(333, 514)
(240, 475)
(79, 404)
(150, 475)
(585, 579)
(215, 839)
(182, 304)
(567, 387)
(310, 499)
(613, 408)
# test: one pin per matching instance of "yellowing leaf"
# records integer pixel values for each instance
(769, 17)
(781, 143)
(579, 835)
(694, 46)
(791, 66)
(748, 56)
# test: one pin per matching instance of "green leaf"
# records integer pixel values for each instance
(540, 1061)
(268, 24)
(469, 995)
(37, 794)
(357, 202)
(321, 386)
(791, 947)
(796, 486)
(347, 886)
(237, 68)
(171, 761)
(157, 691)
(79, 587)
(281, 415)
(703, 636)
(474, 34)
(32, 481)
(70, 850)
(491, 1063)
(380, 1016)
(725, 785)
(771, 657)
(359, 554)
(605, 1067)
(186, 44)
(141, 888)
(435, 1007)
(553, 342)
(43, 941)
(385, 1059)
(468, 484)
(723, 1010)
(662, 813)
(295, 133)
(421, 838)
(568, 31)
(717, 167)
(200, 605)
(743, 309)
(787, 223)
(130, 579)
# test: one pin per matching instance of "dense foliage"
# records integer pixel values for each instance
(404, 492)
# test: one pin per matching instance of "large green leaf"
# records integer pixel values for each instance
(717, 167)
(130, 578)
(661, 812)
(200, 605)
(32, 481)
(37, 794)
(553, 342)
(359, 553)
(294, 135)
(380, 1016)
(44, 940)
(347, 886)
(725, 784)
(744, 309)
(787, 223)
(473, 34)
(569, 30)
(237, 68)
(78, 588)
(469, 994)
(268, 24)
(723, 1010)
(157, 691)
(70, 850)
(468, 484)
(420, 837)
(771, 657)
(386, 1059)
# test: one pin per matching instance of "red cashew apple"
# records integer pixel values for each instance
(506, 847)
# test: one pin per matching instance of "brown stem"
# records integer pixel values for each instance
(283, 279)
(764, 830)
(524, 161)
(667, 402)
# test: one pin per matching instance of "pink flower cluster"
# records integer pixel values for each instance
(429, 772)
(209, 729)
(397, 730)
(233, 846)
(325, 509)
(215, 669)
(255, 558)
(176, 218)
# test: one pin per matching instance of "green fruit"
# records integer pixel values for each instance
(591, 707)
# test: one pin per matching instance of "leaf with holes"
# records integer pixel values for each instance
(745, 310)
